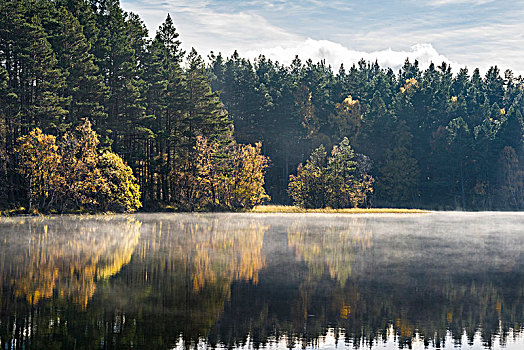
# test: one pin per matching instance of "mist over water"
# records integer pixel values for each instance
(380, 281)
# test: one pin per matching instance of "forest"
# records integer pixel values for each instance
(97, 115)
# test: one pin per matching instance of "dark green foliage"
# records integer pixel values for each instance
(435, 139)
(84, 88)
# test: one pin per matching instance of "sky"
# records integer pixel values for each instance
(472, 33)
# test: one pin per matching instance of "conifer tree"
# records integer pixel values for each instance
(84, 85)
(31, 64)
(205, 114)
(118, 64)
(166, 98)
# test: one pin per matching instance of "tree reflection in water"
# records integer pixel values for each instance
(40, 261)
(158, 281)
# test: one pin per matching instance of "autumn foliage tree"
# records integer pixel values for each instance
(71, 175)
(41, 165)
(219, 177)
(119, 191)
(78, 149)
(244, 185)
(307, 187)
(436, 139)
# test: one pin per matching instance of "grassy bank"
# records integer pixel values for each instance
(293, 209)
(257, 209)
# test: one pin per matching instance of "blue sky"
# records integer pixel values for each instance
(476, 33)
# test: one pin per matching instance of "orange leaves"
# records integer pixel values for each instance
(345, 311)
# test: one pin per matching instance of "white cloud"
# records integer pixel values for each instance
(336, 54)
(252, 35)
(453, 35)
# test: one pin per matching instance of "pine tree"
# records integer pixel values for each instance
(35, 78)
(166, 98)
(205, 114)
(308, 187)
(84, 85)
(118, 64)
(5, 134)
(398, 172)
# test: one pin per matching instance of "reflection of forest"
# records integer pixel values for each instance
(344, 280)
(230, 279)
(330, 247)
(177, 282)
(180, 278)
(61, 257)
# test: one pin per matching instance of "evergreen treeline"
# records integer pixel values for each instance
(435, 139)
(68, 63)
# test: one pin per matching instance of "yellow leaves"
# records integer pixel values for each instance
(406, 330)
(234, 253)
(502, 111)
(331, 181)
(334, 250)
(348, 102)
(69, 176)
(248, 166)
(453, 99)
(498, 307)
(349, 105)
(69, 265)
(118, 190)
(231, 177)
(40, 164)
(410, 83)
(348, 118)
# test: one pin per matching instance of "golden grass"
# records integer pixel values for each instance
(293, 209)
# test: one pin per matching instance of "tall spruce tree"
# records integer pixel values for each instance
(84, 86)
(166, 98)
(118, 64)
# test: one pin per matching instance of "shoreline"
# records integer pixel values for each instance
(269, 209)
(260, 209)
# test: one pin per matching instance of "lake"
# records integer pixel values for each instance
(163, 281)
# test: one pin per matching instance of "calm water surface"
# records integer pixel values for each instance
(158, 281)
